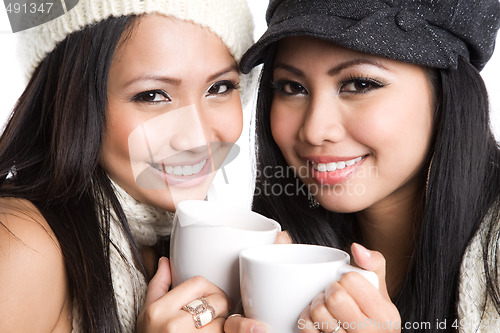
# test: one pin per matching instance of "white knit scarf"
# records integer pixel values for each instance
(146, 223)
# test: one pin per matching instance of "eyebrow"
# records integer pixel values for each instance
(175, 81)
(334, 70)
(232, 68)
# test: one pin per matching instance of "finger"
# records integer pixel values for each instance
(372, 261)
(320, 314)
(158, 318)
(188, 291)
(186, 324)
(307, 325)
(341, 304)
(208, 325)
(240, 324)
(368, 299)
(200, 313)
(219, 303)
(216, 326)
(160, 283)
(283, 238)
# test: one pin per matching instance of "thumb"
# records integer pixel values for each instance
(160, 283)
(371, 261)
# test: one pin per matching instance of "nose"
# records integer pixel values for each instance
(322, 121)
(189, 132)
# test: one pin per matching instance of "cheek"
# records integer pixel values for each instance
(397, 130)
(285, 126)
(413, 124)
(405, 120)
(118, 128)
(228, 122)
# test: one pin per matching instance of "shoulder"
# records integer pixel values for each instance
(33, 281)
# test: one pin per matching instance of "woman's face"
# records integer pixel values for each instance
(173, 111)
(355, 126)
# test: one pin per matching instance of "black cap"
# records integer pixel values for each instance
(432, 33)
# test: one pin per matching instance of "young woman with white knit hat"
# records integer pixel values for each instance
(86, 206)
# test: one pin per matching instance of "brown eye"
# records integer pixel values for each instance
(222, 87)
(360, 85)
(152, 96)
(293, 88)
(286, 87)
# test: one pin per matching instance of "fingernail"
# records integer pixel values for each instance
(363, 250)
(259, 329)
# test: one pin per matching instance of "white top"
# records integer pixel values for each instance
(472, 288)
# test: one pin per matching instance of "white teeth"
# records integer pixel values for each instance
(197, 167)
(331, 166)
(181, 170)
(349, 163)
(177, 170)
(187, 170)
(322, 167)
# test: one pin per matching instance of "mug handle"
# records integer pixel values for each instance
(370, 276)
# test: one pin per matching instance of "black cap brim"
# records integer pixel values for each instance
(319, 26)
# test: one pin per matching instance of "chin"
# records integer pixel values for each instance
(345, 204)
(160, 195)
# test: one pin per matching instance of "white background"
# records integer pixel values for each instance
(238, 191)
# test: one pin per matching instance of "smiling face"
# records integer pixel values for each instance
(173, 111)
(356, 127)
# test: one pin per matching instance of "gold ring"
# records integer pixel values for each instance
(202, 312)
(235, 315)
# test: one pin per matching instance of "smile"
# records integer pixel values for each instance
(334, 166)
(180, 170)
(330, 171)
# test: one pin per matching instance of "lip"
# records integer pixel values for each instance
(336, 177)
(330, 159)
(167, 162)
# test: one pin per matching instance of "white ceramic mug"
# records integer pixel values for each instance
(278, 281)
(207, 238)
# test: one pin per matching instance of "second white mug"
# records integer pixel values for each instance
(278, 281)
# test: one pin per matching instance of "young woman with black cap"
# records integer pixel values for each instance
(379, 109)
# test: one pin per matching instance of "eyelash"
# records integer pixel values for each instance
(229, 84)
(144, 96)
(373, 84)
(279, 86)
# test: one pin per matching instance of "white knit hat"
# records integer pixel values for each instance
(231, 20)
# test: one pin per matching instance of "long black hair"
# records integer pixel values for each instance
(49, 154)
(460, 187)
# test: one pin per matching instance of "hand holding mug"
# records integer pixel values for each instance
(352, 303)
(163, 310)
(374, 263)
